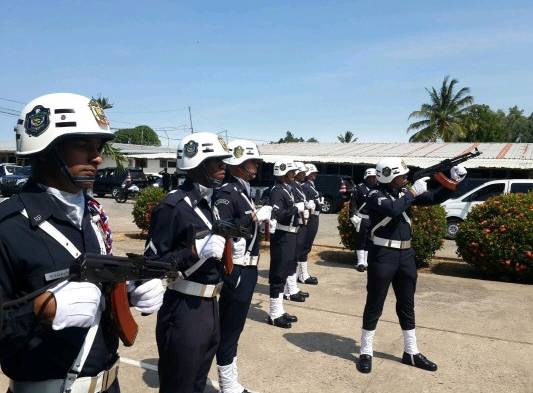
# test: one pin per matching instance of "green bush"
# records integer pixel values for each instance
(147, 199)
(497, 237)
(428, 225)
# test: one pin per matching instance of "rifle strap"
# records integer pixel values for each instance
(202, 216)
(252, 242)
(78, 363)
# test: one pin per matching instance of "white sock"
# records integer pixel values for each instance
(276, 307)
(286, 289)
(366, 258)
(280, 297)
(294, 284)
(367, 341)
(409, 342)
(226, 379)
(304, 274)
(361, 257)
(236, 375)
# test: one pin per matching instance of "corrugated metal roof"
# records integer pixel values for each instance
(128, 148)
(494, 155)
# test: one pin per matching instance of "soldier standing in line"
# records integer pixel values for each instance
(283, 241)
(188, 326)
(312, 195)
(393, 258)
(359, 216)
(234, 203)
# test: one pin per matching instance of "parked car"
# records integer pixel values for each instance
(457, 209)
(111, 180)
(11, 183)
(336, 190)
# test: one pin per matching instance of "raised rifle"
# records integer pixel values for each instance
(437, 171)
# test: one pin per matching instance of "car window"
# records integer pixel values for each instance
(137, 175)
(521, 187)
(485, 193)
(22, 171)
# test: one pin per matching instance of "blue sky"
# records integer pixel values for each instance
(259, 68)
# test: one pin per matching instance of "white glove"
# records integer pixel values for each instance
(239, 248)
(300, 206)
(458, 173)
(211, 246)
(311, 205)
(306, 213)
(321, 200)
(148, 297)
(264, 213)
(356, 221)
(76, 304)
(420, 186)
(272, 226)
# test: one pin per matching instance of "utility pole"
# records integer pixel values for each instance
(190, 120)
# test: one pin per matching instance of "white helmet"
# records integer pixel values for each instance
(311, 168)
(281, 168)
(389, 168)
(370, 172)
(241, 151)
(300, 167)
(52, 116)
(195, 148)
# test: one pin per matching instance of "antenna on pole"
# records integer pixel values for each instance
(190, 120)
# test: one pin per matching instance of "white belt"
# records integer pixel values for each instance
(362, 215)
(287, 228)
(247, 260)
(316, 213)
(195, 289)
(97, 384)
(401, 244)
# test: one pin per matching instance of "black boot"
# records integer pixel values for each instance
(309, 281)
(295, 298)
(419, 361)
(360, 268)
(365, 363)
(304, 294)
(280, 322)
(290, 318)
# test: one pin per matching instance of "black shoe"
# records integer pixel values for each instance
(419, 361)
(309, 281)
(304, 294)
(360, 268)
(364, 365)
(280, 322)
(290, 318)
(295, 298)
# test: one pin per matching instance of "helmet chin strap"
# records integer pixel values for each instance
(76, 181)
(212, 182)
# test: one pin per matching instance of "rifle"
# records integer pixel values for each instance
(437, 171)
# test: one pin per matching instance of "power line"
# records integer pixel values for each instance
(158, 111)
(9, 113)
(10, 100)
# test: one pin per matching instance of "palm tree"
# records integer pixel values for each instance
(443, 118)
(347, 137)
(108, 150)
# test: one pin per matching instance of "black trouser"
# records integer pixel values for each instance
(301, 241)
(187, 333)
(396, 266)
(282, 255)
(312, 229)
(234, 304)
(363, 241)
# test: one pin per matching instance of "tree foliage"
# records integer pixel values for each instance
(290, 138)
(442, 118)
(312, 140)
(347, 137)
(140, 135)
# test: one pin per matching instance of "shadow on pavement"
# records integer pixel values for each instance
(150, 377)
(332, 345)
(256, 313)
(330, 257)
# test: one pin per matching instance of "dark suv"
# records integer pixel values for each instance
(13, 179)
(336, 190)
(111, 180)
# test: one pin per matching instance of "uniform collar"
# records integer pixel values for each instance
(241, 184)
(40, 205)
(193, 192)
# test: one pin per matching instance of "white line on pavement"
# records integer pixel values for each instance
(152, 367)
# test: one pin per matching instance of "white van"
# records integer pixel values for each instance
(458, 208)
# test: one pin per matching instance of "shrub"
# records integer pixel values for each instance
(147, 199)
(497, 237)
(428, 226)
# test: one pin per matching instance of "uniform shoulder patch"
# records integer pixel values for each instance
(10, 207)
(373, 193)
(173, 198)
(222, 201)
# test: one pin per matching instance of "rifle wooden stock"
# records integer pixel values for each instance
(444, 181)
(227, 257)
(124, 322)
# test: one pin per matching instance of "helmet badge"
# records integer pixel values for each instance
(98, 113)
(37, 121)
(386, 171)
(238, 151)
(190, 149)
(282, 167)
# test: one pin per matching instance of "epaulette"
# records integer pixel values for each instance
(10, 207)
(227, 188)
(173, 197)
